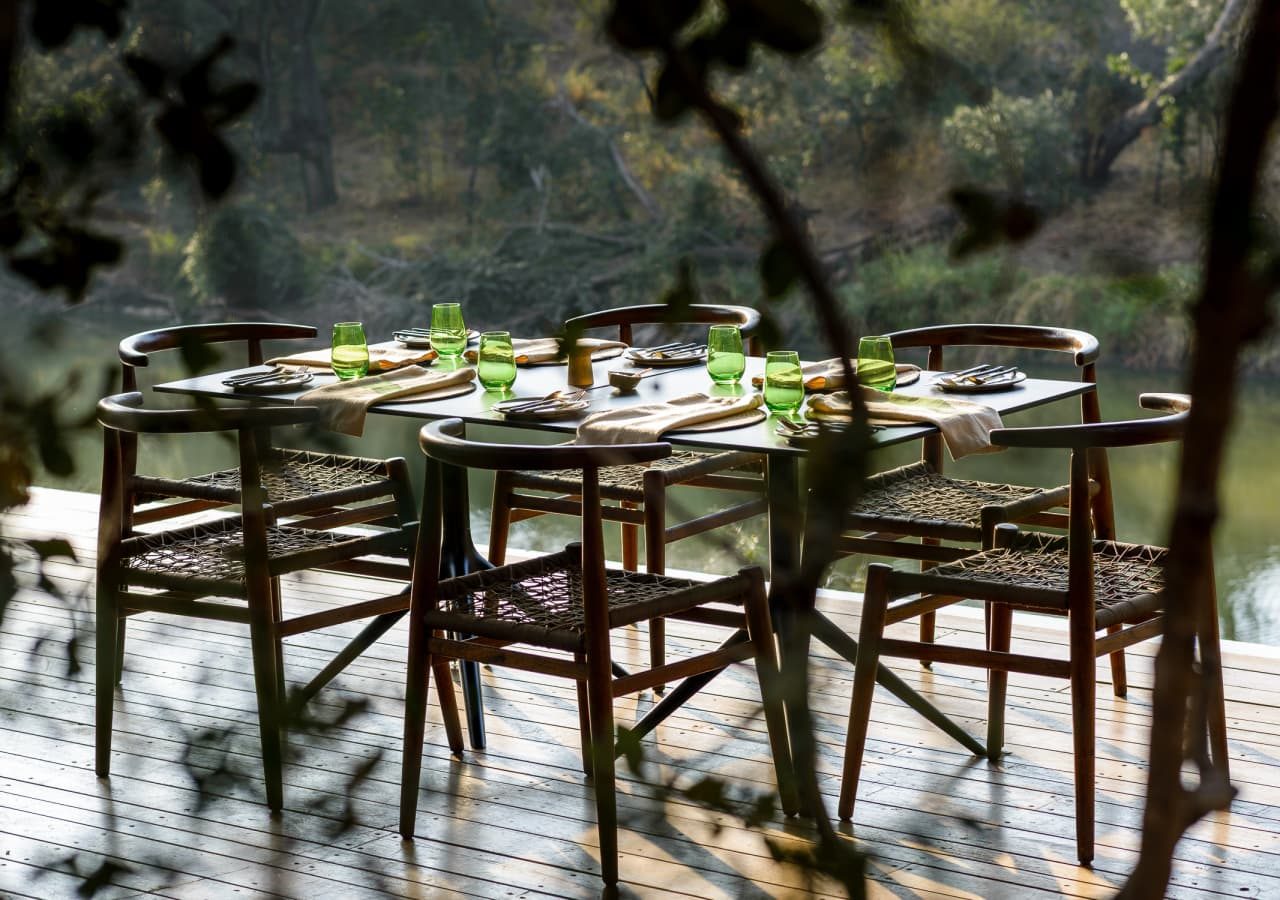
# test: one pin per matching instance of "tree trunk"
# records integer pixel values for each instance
(1231, 310)
(1114, 138)
(294, 115)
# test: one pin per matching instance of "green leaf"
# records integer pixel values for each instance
(778, 269)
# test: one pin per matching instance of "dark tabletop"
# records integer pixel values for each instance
(537, 381)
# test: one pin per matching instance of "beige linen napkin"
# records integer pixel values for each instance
(828, 375)
(529, 351)
(965, 426)
(642, 424)
(382, 357)
(343, 406)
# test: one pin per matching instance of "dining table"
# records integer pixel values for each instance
(785, 498)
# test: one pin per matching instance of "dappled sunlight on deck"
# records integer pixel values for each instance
(517, 819)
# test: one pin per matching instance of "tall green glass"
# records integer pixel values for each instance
(350, 351)
(783, 381)
(496, 361)
(876, 368)
(725, 359)
(448, 333)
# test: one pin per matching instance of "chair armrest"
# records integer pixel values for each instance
(134, 349)
(1130, 433)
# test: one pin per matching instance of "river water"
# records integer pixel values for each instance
(1247, 542)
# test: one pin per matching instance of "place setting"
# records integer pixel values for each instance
(980, 379)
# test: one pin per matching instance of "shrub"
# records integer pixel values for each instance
(245, 256)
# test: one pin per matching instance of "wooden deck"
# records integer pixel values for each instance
(516, 820)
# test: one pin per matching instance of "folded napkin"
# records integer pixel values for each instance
(642, 424)
(382, 357)
(965, 426)
(828, 375)
(529, 351)
(343, 405)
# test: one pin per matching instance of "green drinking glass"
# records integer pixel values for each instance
(875, 363)
(350, 351)
(496, 361)
(448, 334)
(783, 381)
(726, 360)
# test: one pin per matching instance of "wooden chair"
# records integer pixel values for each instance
(1099, 585)
(637, 494)
(228, 567)
(563, 608)
(952, 517)
(331, 489)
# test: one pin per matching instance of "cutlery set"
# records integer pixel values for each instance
(676, 350)
(274, 373)
(984, 374)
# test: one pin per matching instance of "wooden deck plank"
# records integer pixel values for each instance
(517, 819)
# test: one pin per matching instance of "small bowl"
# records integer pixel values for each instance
(626, 382)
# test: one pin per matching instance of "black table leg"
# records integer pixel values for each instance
(458, 556)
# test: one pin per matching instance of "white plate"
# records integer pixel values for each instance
(739, 420)
(453, 390)
(638, 356)
(423, 342)
(546, 413)
(282, 385)
(967, 387)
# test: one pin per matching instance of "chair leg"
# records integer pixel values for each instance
(630, 541)
(277, 616)
(263, 637)
(929, 620)
(1083, 724)
(655, 559)
(760, 628)
(1119, 675)
(448, 704)
(1000, 616)
(1211, 669)
(500, 519)
(120, 640)
(584, 719)
(110, 629)
(874, 603)
(600, 701)
(417, 685)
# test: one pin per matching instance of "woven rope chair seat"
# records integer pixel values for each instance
(916, 493)
(1128, 578)
(213, 552)
(540, 601)
(298, 474)
(627, 482)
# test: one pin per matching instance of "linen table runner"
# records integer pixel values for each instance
(965, 426)
(643, 424)
(343, 406)
(531, 351)
(828, 375)
(383, 357)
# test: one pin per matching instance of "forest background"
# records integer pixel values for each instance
(499, 153)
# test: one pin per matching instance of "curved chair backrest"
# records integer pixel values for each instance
(1130, 433)
(1082, 346)
(135, 349)
(625, 317)
(125, 413)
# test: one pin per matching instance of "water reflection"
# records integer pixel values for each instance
(1247, 542)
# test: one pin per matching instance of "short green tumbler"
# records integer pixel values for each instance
(496, 361)
(350, 351)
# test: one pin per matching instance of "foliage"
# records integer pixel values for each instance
(1020, 143)
(245, 257)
